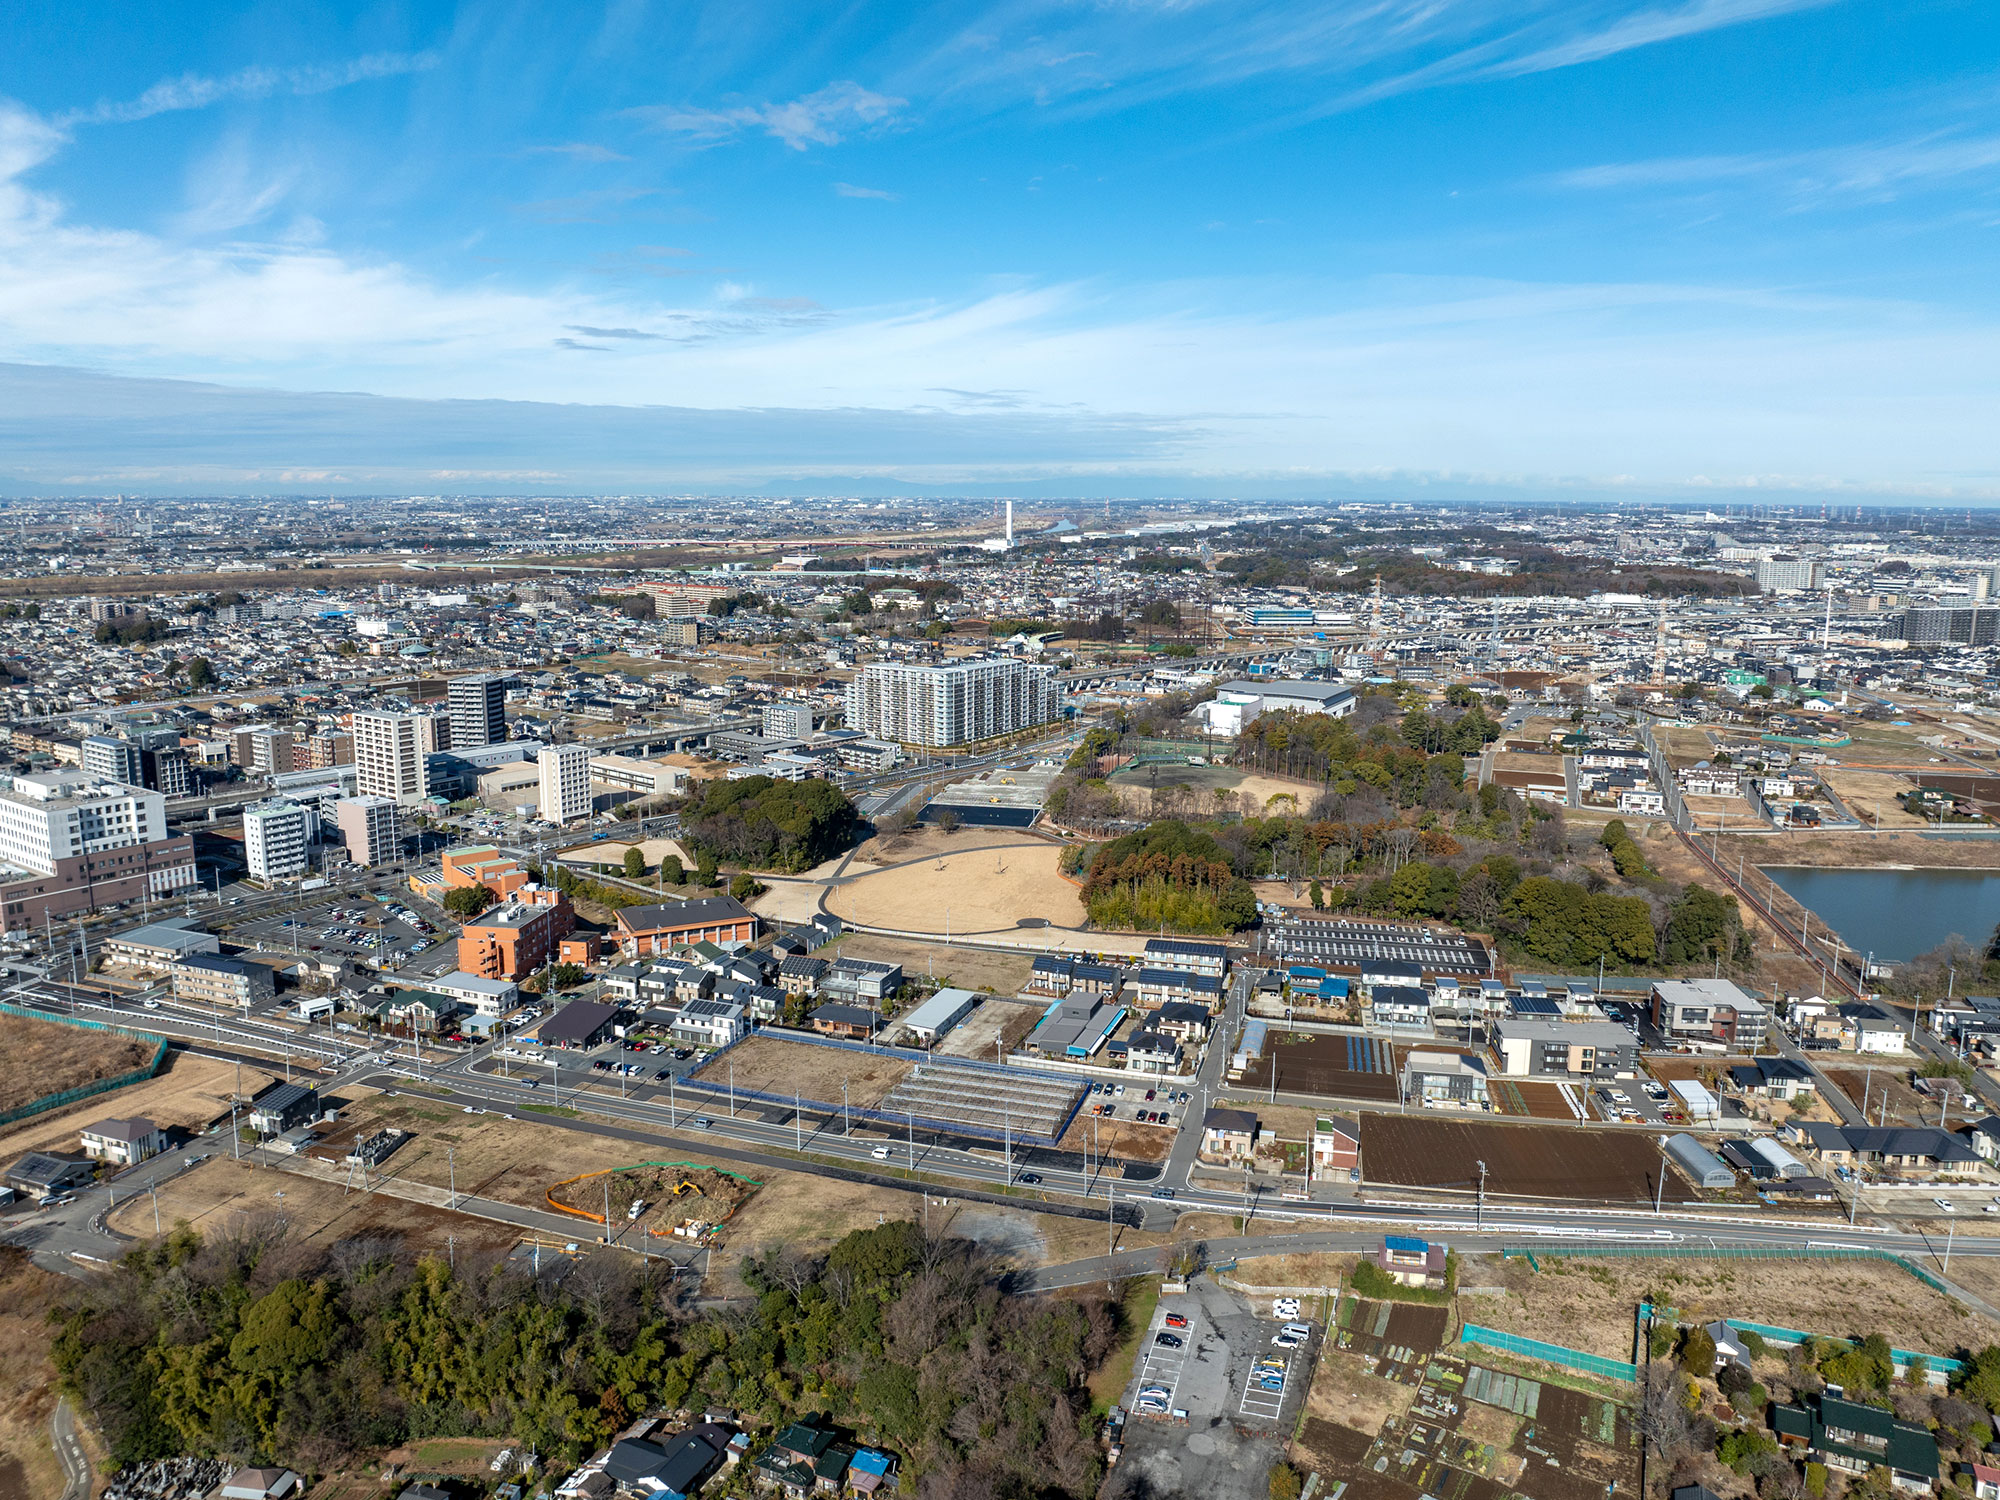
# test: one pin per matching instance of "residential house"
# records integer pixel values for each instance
(1150, 1051)
(581, 1023)
(282, 1106)
(710, 1022)
(211, 979)
(1050, 974)
(1412, 1262)
(858, 980)
(799, 1458)
(1228, 1134)
(41, 1174)
(1856, 1439)
(1400, 1007)
(1184, 1019)
(1444, 1080)
(1336, 1146)
(123, 1142)
(851, 1022)
(1101, 980)
(801, 975)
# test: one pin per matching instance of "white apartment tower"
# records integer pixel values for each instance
(954, 704)
(389, 758)
(274, 840)
(565, 782)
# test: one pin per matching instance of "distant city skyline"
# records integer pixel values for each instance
(1473, 250)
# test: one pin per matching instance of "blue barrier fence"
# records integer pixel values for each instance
(1552, 1354)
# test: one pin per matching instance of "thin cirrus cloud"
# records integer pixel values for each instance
(1870, 170)
(578, 151)
(822, 118)
(850, 190)
(195, 91)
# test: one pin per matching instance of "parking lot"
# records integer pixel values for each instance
(364, 931)
(1217, 1429)
(1136, 1102)
(1626, 1099)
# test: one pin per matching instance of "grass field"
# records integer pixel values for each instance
(1588, 1304)
(187, 1093)
(46, 1057)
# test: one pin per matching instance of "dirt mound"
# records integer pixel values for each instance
(673, 1192)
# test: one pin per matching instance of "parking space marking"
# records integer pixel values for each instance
(1256, 1399)
(1162, 1365)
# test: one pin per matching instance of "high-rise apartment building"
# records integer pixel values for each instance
(565, 782)
(266, 751)
(388, 759)
(275, 835)
(434, 731)
(371, 828)
(478, 710)
(1782, 574)
(1951, 627)
(70, 842)
(954, 704)
(112, 759)
(785, 720)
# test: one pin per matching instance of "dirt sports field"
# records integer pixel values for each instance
(1523, 1160)
(992, 889)
(781, 1068)
(1338, 1066)
(46, 1057)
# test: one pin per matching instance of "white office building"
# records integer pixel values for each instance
(275, 835)
(48, 818)
(954, 704)
(785, 720)
(565, 782)
(389, 758)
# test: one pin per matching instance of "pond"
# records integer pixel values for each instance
(1897, 913)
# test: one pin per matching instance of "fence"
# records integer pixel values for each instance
(1939, 1366)
(1552, 1354)
(83, 1091)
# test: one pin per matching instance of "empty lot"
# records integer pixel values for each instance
(781, 1069)
(1524, 1160)
(46, 1057)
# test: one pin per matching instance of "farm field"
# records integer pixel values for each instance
(768, 1065)
(1395, 1412)
(1522, 1096)
(1521, 1160)
(46, 1057)
(1337, 1066)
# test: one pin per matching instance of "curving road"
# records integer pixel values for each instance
(75, 1463)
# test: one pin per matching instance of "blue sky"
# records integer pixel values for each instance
(1139, 245)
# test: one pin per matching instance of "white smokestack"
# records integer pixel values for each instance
(1010, 525)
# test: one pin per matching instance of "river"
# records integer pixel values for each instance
(1897, 913)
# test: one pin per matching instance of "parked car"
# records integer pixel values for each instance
(1175, 1320)
(1169, 1340)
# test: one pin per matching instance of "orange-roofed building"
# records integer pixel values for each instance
(501, 874)
(517, 937)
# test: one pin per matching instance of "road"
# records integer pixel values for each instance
(76, 1466)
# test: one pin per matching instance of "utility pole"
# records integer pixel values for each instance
(451, 1166)
(1479, 1213)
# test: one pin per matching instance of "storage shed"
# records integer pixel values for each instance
(1780, 1161)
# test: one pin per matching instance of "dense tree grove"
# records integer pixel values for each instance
(1167, 875)
(252, 1347)
(774, 825)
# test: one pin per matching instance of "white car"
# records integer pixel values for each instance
(1286, 1341)
(1285, 1307)
(1945, 1205)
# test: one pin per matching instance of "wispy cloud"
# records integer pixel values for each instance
(1882, 169)
(583, 151)
(597, 207)
(197, 91)
(849, 190)
(613, 333)
(822, 118)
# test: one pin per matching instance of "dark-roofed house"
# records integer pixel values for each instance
(645, 930)
(123, 1142)
(1049, 974)
(857, 979)
(581, 1023)
(1903, 1150)
(40, 1174)
(1228, 1133)
(1846, 1435)
(1181, 953)
(282, 1106)
(691, 1458)
(801, 975)
(797, 1458)
(1184, 1019)
(211, 979)
(1984, 1137)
